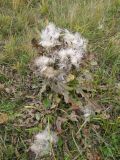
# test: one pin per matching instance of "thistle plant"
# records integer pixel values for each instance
(62, 52)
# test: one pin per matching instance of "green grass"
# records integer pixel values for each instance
(20, 21)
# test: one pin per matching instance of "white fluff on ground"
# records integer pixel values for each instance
(87, 113)
(43, 142)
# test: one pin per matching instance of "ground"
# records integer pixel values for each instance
(22, 114)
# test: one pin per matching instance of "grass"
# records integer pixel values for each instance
(98, 21)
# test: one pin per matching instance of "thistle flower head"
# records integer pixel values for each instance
(43, 61)
(49, 36)
(75, 41)
(70, 56)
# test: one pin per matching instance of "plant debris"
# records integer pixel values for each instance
(3, 118)
(57, 63)
(43, 143)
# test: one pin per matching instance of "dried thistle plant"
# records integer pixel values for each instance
(62, 51)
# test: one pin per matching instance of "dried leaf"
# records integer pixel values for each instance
(36, 45)
(56, 102)
(60, 88)
(66, 97)
(74, 105)
(91, 56)
(43, 89)
(73, 116)
(93, 155)
(91, 102)
(59, 122)
(3, 118)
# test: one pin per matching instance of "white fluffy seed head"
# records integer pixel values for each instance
(75, 41)
(43, 141)
(49, 73)
(43, 61)
(70, 53)
(76, 58)
(50, 36)
(47, 135)
(63, 54)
